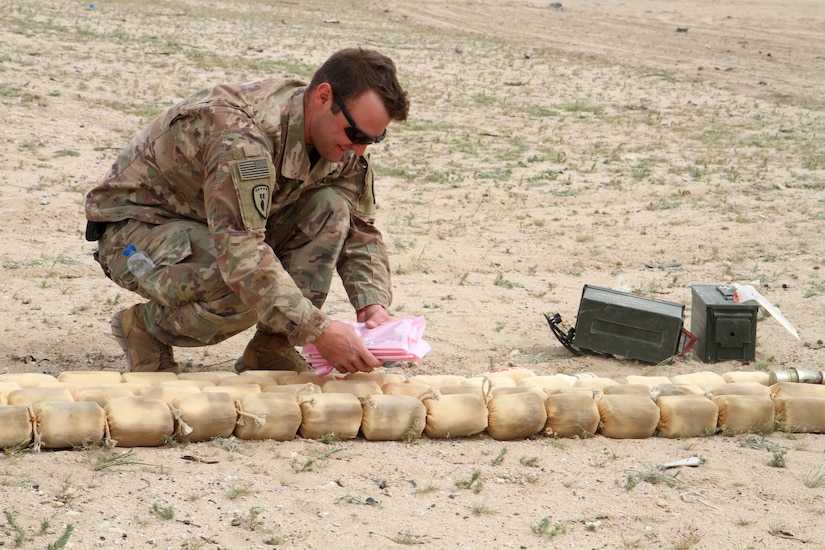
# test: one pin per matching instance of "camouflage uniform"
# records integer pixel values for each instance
(221, 193)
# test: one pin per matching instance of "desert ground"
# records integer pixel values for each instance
(643, 146)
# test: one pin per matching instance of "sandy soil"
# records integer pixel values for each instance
(646, 146)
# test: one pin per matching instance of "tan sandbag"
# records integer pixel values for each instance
(548, 382)
(571, 414)
(627, 416)
(102, 394)
(413, 390)
(30, 396)
(760, 377)
(796, 389)
(275, 416)
(686, 416)
(628, 389)
(338, 414)
(597, 383)
(800, 414)
(518, 389)
(295, 389)
(515, 415)
(745, 413)
(649, 381)
(15, 426)
(151, 378)
(380, 377)
(167, 394)
(358, 388)
(137, 421)
(392, 417)
(513, 373)
(437, 380)
(455, 415)
(277, 376)
(27, 379)
(235, 391)
(703, 379)
(464, 388)
(482, 381)
(203, 416)
(737, 388)
(663, 390)
(5, 389)
(209, 376)
(249, 377)
(89, 378)
(197, 383)
(310, 378)
(63, 425)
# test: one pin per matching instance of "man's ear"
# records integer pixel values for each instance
(323, 93)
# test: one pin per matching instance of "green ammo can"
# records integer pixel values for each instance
(619, 323)
(725, 330)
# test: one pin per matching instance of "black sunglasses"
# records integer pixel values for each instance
(354, 133)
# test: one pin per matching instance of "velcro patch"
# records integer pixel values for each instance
(260, 198)
(253, 169)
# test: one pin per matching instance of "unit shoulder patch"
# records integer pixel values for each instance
(254, 182)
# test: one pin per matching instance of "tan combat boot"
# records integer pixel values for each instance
(267, 351)
(144, 352)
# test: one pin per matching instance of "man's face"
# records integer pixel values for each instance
(327, 130)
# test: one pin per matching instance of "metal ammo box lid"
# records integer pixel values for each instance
(619, 323)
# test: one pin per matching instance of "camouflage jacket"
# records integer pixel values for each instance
(231, 157)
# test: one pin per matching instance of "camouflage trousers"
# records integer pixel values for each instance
(189, 303)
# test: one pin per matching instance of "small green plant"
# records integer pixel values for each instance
(312, 462)
(687, 541)
(17, 531)
(165, 512)
(544, 528)
(431, 488)
(237, 492)
(778, 460)
(815, 478)
(474, 483)
(63, 539)
(532, 461)
(408, 539)
(482, 509)
(412, 434)
(500, 458)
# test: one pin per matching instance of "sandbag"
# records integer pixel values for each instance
(204, 416)
(392, 417)
(30, 396)
(686, 416)
(627, 416)
(571, 414)
(760, 377)
(200, 384)
(275, 416)
(235, 391)
(277, 376)
(513, 373)
(481, 381)
(15, 426)
(745, 413)
(649, 381)
(473, 389)
(27, 379)
(5, 389)
(515, 415)
(800, 414)
(137, 421)
(548, 382)
(703, 379)
(455, 415)
(151, 378)
(309, 378)
(338, 414)
(209, 376)
(380, 377)
(413, 390)
(63, 425)
(89, 378)
(249, 377)
(102, 394)
(628, 389)
(518, 389)
(358, 388)
(675, 389)
(594, 383)
(295, 389)
(797, 389)
(437, 380)
(167, 394)
(737, 388)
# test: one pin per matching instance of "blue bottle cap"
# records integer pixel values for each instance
(129, 250)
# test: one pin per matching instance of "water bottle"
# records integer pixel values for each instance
(138, 262)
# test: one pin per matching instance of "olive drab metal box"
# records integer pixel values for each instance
(619, 323)
(725, 330)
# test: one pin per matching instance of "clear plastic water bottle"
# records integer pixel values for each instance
(138, 262)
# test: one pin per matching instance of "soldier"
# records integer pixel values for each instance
(248, 197)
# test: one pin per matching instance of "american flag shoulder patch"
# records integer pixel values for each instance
(253, 169)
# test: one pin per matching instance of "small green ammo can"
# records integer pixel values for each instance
(725, 330)
(619, 323)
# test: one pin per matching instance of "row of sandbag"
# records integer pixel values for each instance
(507, 406)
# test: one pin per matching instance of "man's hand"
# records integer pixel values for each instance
(343, 348)
(373, 315)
